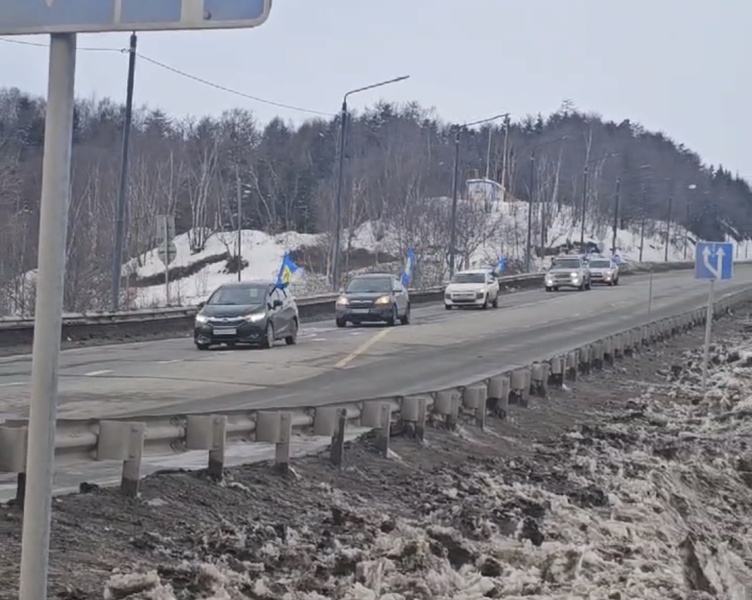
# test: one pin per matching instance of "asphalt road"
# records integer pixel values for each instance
(439, 349)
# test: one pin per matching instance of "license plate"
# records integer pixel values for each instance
(225, 331)
(360, 311)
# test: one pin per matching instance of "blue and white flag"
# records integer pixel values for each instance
(502, 266)
(407, 272)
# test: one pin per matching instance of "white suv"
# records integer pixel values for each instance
(477, 288)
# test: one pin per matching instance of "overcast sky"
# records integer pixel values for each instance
(681, 66)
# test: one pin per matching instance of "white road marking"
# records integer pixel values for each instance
(169, 362)
(15, 383)
(95, 373)
(365, 346)
(318, 340)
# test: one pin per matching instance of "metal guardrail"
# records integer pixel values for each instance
(85, 441)
(179, 320)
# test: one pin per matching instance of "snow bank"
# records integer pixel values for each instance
(652, 504)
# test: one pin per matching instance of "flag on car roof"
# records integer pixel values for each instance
(286, 270)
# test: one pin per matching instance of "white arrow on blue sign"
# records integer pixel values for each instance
(18, 17)
(714, 260)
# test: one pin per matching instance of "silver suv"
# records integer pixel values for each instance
(568, 272)
(604, 270)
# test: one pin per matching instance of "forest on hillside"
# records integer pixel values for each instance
(283, 176)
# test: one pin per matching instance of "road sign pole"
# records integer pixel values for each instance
(53, 226)
(708, 331)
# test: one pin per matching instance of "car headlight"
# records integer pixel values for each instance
(342, 301)
(575, 275)
(383, 300)
(255, 317)
(201, 319)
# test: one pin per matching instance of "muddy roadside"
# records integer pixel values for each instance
(592, 490)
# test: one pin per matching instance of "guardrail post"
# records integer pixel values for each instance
(123, 440)
(520, 387)
(413, 411)
(558, 367)
(276, 428)
(208, 432)
(475, 398)
(498, 395)
(539, 379)
(385, 429)
(13, 447)
(629, 343)
(573, 360)
(583, 357)
(598, 354)
(337, 450)
(447, 404)
(283, 448)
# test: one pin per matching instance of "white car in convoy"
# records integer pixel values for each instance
(477, 288)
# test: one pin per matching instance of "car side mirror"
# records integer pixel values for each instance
(277, 304)
(201, 305)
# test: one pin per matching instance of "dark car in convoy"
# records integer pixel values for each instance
(254, 312)
(375, 297)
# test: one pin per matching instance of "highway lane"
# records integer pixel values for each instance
(333, 365)
(136, 377)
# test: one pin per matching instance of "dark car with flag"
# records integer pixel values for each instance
(373, 297)
(253, 312)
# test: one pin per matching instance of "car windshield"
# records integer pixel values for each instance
(370, 285)
(600, 264)
(469, 278)
(240, 296)
(566, 263)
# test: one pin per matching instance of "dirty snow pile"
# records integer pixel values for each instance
(655, 502)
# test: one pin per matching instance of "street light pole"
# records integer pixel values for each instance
(616, 216)
(455, 193)
(582, 210)
(668, 226)
(455, 188)
(529, 242)
(341, 173)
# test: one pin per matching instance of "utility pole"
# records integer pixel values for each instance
(582, 210)
(642, 223)
(117, 258)
(616, 216)
(504, 160)
(668, 226)
(239, 192)
(455, 192)
(529, 243)
(338, 201)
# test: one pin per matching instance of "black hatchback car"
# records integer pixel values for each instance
(254, 312)
(375, 297)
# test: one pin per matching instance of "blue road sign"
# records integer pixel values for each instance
(18, 17)
(714, 260)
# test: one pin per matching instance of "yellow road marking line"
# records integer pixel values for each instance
(362, 348)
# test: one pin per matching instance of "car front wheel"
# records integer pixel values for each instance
(405, 319)
(268, 340)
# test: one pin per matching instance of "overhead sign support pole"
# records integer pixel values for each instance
(63, 20)
(48, 316)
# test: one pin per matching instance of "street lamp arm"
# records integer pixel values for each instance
(374, 85)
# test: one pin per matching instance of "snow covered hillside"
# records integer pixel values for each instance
(504, 233)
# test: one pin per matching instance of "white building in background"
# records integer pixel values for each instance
(484, 190)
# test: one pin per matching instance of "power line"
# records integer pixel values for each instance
(187, 75)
